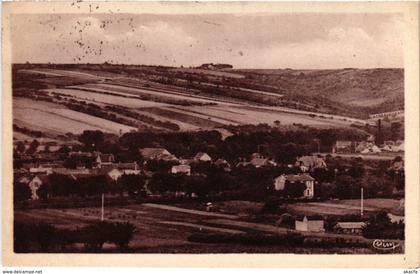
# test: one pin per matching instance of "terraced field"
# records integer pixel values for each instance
(55, 119)
(116, 99)
(158, 102)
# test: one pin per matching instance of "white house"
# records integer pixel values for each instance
(115, 174)
(202, 157)
(349, 227)
(310, 224)
(40, 169)
(181, 169)
(395, 218)
(309, 192)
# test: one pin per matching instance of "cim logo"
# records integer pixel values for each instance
(385, 244)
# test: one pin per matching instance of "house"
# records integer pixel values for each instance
(395, 218)
(202, 157)
(308, 163)
(115, 174)
(257, 160)
(70, 171)
(40, 169)
(128, 168)
(309, 192)
(80, 154)
(159, 154)
(181, 169)
(360, 146)
(104, 160)
(349, 227)
(370, 139)
(310, 224)
(371, 150)
(343, 147)
(222, 163)
(36, 183)
(399, 146)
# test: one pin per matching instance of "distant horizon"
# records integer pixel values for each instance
(259, 41)
(192, 67)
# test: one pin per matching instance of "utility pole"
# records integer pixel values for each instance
(102, 208)
(361, 202)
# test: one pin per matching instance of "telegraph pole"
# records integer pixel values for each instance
(102, 208)
(361, 202)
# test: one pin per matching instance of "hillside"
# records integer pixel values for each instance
(364, 90)
(122, 98)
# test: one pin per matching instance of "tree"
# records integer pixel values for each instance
(347, 187)
(61, 185)
(94, 185)
(21, 192)
(20, 147)
(121, 234)
(163, 182)
(395, 130)
(131, 183)
(271, 206)
(32, 147)
(44, 235)
(92, 139)
(43, 191)
(95, 235)
(197, 185)
(294, 190)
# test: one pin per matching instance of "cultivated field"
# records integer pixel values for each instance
(107, 99)
(342, 207)
(144, 90)
(164, 229)
(55, 119)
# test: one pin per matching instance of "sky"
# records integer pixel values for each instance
(269, 40)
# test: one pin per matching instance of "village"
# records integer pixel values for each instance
(297, 192)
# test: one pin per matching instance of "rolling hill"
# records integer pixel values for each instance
(121, 98)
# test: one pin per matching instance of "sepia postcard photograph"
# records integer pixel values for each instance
(219, 129)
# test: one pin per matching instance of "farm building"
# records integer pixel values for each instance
(310, 224)
(343, 147)
(157, 154)
(181, 169)
(103, 160)
(128, 168)
(257, 160)
(308, 181)
(349, 227)
(68, 171)
(202, 157)
(395, 218)
(371, 150)
(308, 163)
(41, 170)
